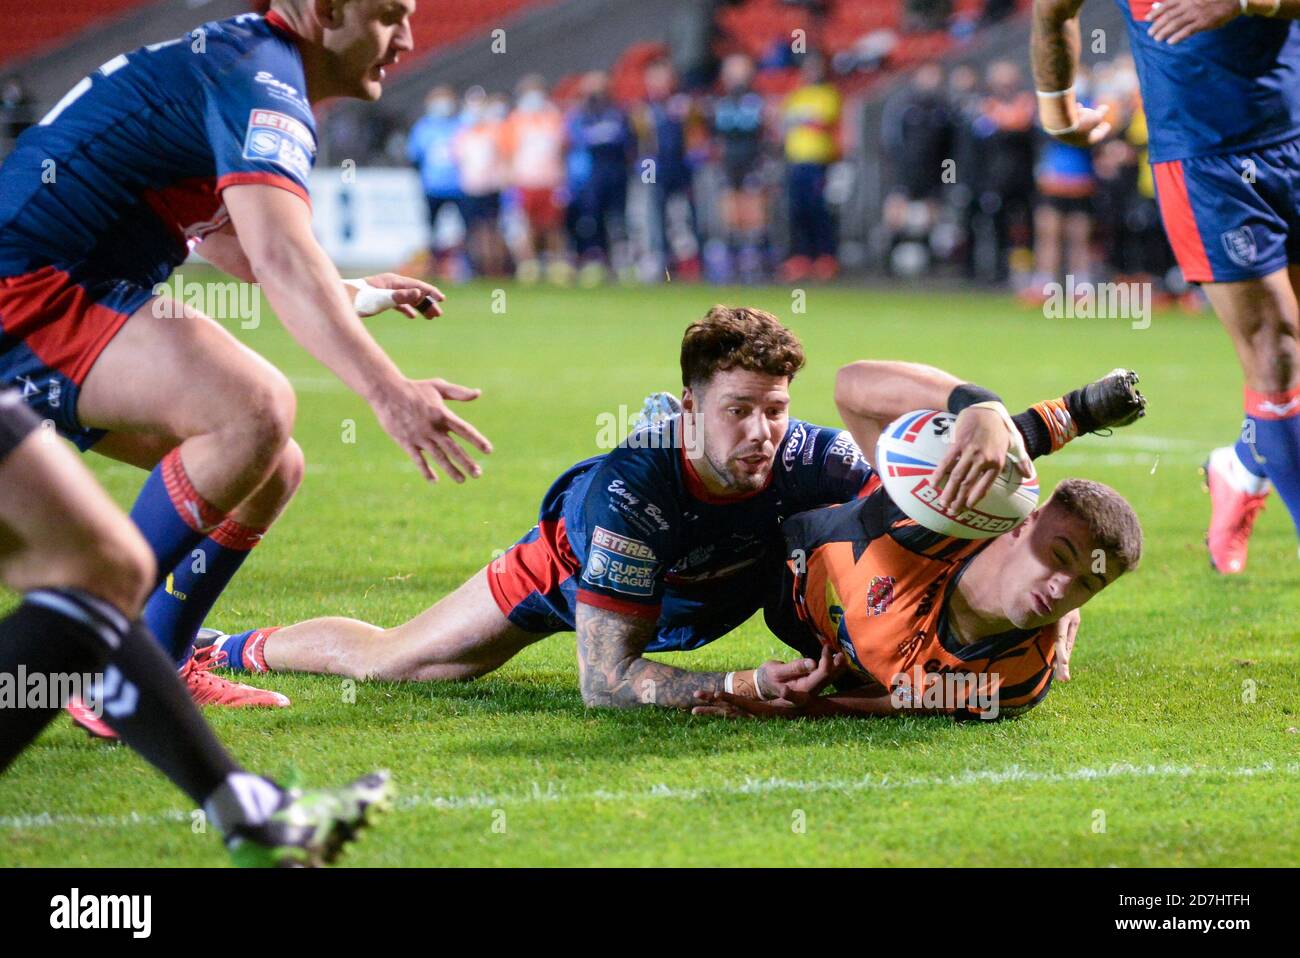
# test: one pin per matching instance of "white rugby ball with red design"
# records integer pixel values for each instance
(907, 454)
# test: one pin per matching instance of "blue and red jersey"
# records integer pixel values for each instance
(1228, 90)
(636, 532)
(125, 174)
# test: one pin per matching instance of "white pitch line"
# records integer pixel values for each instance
(554, 792)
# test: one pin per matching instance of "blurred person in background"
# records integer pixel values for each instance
(739, 126)
(533, 145)
(918, 133)
(600, 154)
(811, 122)
(922, 16)
(429, 149)
(478, 154)
(966, 100)
(17, 111)
(1063, 216)
(662, 124)
(1005, 133)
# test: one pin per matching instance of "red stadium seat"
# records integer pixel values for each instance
(55, 23)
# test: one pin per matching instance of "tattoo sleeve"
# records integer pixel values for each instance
(614, 675)
(1054, 43)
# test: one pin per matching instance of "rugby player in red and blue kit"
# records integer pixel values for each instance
(203, 142)
(1220, 84)
(672, 539)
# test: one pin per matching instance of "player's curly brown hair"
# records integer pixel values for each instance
(1111, 520)
(738, 337)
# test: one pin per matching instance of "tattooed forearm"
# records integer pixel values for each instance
(1054, 43)
(613, 674)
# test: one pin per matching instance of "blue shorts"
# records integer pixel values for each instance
(52, 329)
(1234, 216)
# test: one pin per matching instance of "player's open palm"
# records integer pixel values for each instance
(982, 440)
(418, 420)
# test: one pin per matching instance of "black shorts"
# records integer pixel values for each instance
(17, 422)
(1065, 205)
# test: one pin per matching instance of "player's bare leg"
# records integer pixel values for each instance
(1261, 317)
(464, 635)
(173, 371)
(72, 535)
(174, 386)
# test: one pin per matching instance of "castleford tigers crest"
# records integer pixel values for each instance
(880, 593)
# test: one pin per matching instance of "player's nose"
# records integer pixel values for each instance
(404, 41)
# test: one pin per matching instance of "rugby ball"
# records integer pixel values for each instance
(907, 453)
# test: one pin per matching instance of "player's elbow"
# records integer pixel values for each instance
(850, 381)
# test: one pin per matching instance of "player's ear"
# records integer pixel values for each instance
(688, 400)
(329, 12)
(1028, 524)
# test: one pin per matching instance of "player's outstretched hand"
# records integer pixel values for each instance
(1067, 630)
(1173, 21)
(981, 442)
(727, 705)
(411, 297)
(417, 418)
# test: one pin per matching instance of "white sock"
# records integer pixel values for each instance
(1229, 466)
(242, 799)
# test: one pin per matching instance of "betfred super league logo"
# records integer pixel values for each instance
(880, 593)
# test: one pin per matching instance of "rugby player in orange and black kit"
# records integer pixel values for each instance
(908, 620)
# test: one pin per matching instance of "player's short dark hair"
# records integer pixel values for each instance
(1111, 520)
(738, 337)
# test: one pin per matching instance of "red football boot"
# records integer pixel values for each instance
(1232, 515)
(209, 689)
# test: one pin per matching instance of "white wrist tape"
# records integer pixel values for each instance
(1017, 452)
(1058, 111)
(370, 299)
(728, 684)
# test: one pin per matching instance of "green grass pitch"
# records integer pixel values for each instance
(1175, 744)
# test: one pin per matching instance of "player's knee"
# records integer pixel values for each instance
(1274, 356)
(267, 414)
(289, 471)
(115, 564)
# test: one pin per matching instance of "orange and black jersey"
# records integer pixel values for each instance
(876, 584)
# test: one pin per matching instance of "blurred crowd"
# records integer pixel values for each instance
(973, 183)
(673, 185)
(729, 185)
(719, 174)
